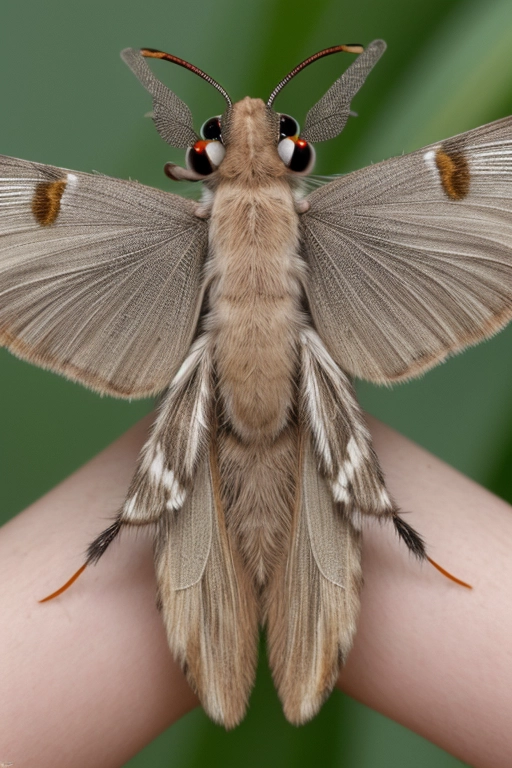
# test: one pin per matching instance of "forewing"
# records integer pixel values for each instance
(100, 279)
(411, 259)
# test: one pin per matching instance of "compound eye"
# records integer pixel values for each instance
(297, 154)
(288, 126)
(205, 156)
(211, 129)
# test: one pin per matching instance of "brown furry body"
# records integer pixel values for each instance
(255, 319)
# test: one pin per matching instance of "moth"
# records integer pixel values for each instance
(252, 310)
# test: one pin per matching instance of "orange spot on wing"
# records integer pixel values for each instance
(46, 201)
(454, 172)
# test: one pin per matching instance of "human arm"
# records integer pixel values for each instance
(429, 654)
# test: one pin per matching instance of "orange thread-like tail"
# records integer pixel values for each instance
(448, 575)
(66, 585)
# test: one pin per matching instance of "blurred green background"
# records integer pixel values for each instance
(67, 99)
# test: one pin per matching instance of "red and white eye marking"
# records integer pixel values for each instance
(205, 156)
(215, 151)
(286, 148)
(297, 154)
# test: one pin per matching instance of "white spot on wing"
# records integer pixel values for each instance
(176, 499)
(198, 426)
(316, 416)
(160, 475)
(191, 361)
(430, 160)
(384, 499)
(157, 467)
(340, 492)
(356, 518)
(355, 455)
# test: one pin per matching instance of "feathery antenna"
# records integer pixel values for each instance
(349, 48)
(151, 53)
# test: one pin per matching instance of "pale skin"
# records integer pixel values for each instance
(88, 676)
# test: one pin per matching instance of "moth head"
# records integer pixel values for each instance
(205, 153)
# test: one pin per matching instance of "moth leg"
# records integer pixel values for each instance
(411, 538)
(94, 552)
(344, 449)
(302, 206)
(98, 547)
(178, 173)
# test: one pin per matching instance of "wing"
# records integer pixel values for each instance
(411, 259)
(313, 599)
(100, 279)
(211, 624)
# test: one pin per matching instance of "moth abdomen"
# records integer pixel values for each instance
(258, 481)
